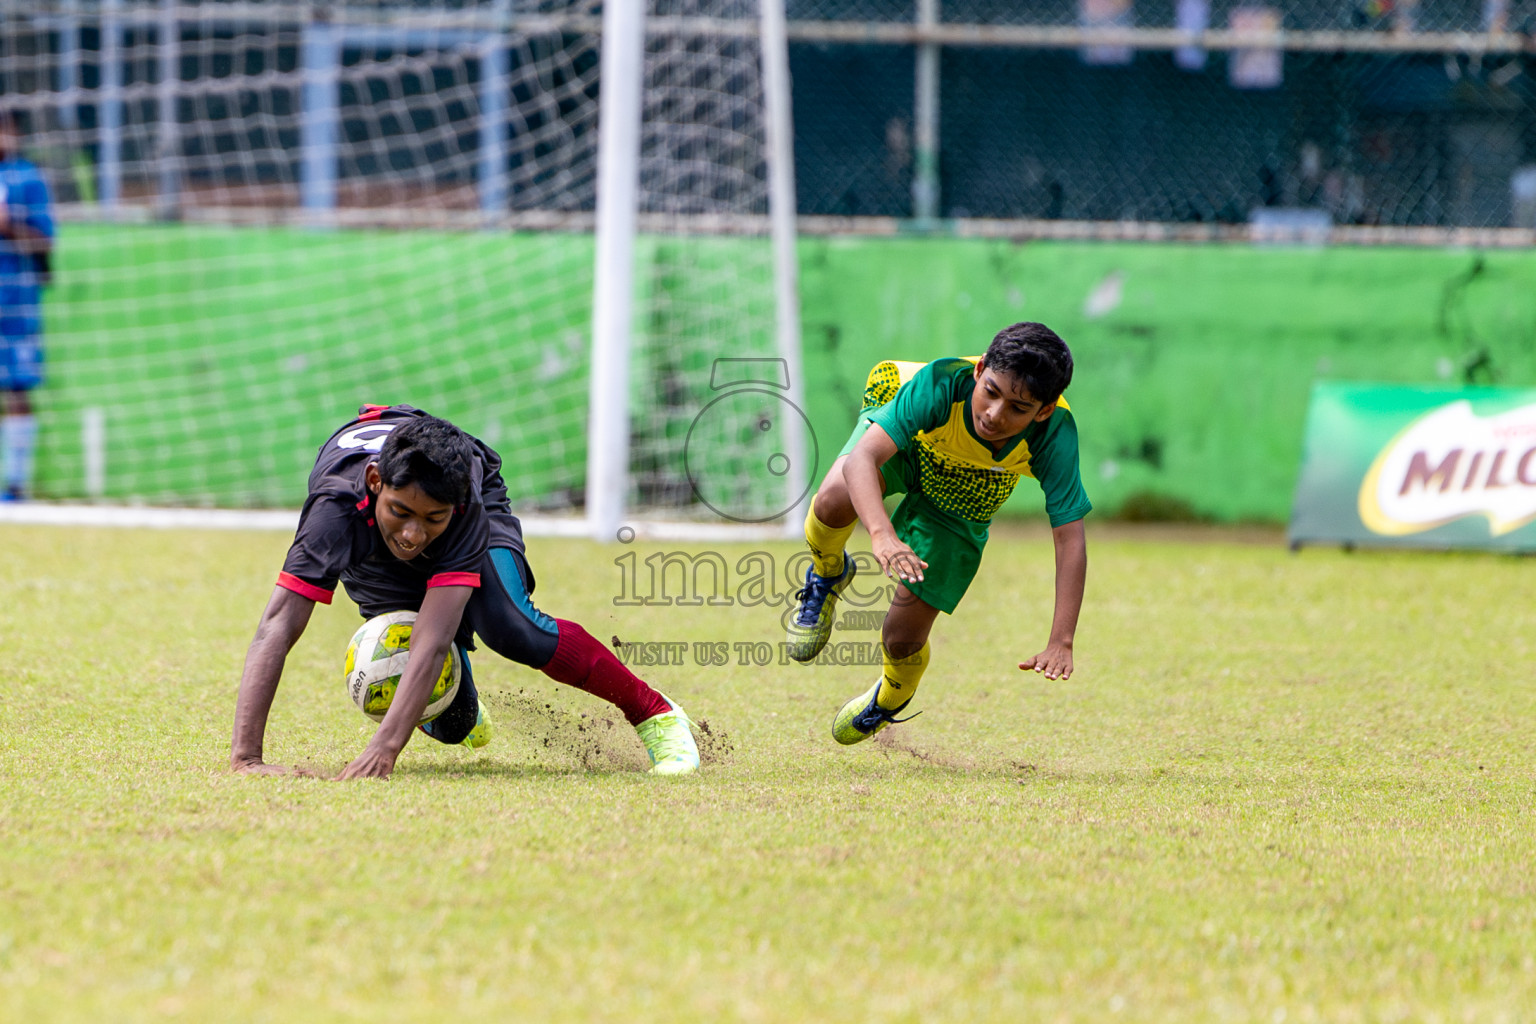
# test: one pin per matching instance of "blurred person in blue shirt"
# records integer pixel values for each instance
(26, 244)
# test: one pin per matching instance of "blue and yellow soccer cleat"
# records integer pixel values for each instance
(811, 626)
(862, 717)
(480, 735)
(668, 739)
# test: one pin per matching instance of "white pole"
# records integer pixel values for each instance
(618, 188)
(320, 123)
(69, 72)
(109, 164)
(170, 72)
(93, 444)
(781, 216)
(495, 91)
(925, 172)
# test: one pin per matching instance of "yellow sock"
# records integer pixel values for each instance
(900, 678)
(826, 543)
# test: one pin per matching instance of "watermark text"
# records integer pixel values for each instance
(744, 653)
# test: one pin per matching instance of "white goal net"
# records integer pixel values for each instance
(270, 213)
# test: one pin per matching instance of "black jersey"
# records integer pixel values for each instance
(338, 538)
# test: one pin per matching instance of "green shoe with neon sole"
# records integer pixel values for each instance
(480, 735)
(862, 717)
(668, 739)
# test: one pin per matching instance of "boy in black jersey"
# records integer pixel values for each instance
(409, 512)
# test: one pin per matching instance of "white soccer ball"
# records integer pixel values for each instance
(377, 656)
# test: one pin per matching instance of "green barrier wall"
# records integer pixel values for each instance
(222, 357)
(1193, 362)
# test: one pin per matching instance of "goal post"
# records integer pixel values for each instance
(271, 214)
(782, 209)
(699, 144)
(618, 187)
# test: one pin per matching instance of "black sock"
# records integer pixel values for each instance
(456, 722)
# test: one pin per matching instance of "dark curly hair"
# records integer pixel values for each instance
(1034, 354)
(431, 453)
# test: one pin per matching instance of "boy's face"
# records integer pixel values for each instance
(1001, 406)
(409, 519)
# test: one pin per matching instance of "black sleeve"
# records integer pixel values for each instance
(467, 542)
(322, 547)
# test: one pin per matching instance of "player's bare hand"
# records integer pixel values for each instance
(1055, 662)
(255, 766)
(370, 764)
(897, 560)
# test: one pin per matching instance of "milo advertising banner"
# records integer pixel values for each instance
(1425, 467)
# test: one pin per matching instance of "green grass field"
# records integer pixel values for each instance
(1279, 788)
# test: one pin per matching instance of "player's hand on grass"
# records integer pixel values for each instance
(897, 560)
(1055, 662)
(370, 764)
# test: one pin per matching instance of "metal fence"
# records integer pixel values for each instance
(1302, 116)
(1395, 119)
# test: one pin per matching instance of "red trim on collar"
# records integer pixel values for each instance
(371, 412)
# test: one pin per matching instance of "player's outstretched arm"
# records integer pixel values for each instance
(861, 472)
(1055, 662)
(433, 631)
(282, 623)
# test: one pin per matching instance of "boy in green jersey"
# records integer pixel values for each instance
(954, 436)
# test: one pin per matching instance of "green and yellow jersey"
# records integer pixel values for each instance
(926, 410)
(954, 481)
